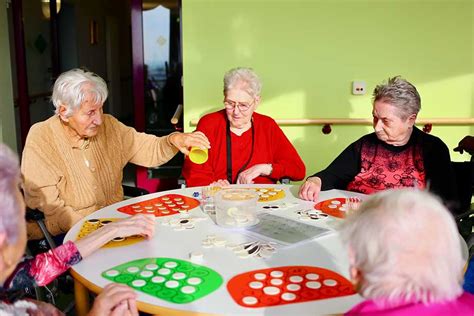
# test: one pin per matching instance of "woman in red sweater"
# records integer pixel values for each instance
(246, 147)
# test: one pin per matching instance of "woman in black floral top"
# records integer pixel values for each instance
(396, 155)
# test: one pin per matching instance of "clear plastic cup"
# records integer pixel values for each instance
(207, 199)
(236, 208)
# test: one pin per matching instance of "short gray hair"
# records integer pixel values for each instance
(69, 89)
(245, 76)
(9, 204)
(399, 93)
(406, 244)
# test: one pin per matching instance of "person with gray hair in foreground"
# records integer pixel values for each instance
(15, 274)
(73, 162)
(405, 256)
(396, 155)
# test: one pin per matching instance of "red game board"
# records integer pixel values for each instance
(337, 207)
(287, 285)
(169, 204)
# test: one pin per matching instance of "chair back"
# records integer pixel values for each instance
(464, 183)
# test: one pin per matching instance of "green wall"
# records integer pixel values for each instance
(7, 118)
(308, 53)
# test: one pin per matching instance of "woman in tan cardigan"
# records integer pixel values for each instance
(73, 162)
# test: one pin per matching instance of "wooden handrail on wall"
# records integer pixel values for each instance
(327, 122)
(177, 114)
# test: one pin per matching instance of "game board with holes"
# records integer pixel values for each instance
(267, 194)
(169, 204)
(173, 280)
(338, 207)
(287, 285)
(93, 224)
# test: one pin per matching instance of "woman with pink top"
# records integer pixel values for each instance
(405, 256)
(16, 274)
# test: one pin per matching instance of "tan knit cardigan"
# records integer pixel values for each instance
(67, 182)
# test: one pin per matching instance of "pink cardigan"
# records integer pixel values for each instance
(463, 305)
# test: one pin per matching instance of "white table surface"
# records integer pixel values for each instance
(324, 252)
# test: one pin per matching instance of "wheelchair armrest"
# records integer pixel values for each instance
(34, 215)
(38, 217)
(133, 191)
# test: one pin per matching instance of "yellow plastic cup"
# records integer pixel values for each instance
(198, 155)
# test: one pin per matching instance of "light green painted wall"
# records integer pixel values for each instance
(308, 53)
(7, 118)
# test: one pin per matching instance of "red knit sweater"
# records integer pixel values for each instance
(271, 147)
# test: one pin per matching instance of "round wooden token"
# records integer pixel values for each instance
(330, 282)
(288, 296)
(249, 300)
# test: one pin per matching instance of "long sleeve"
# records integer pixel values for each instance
(67, 181)
(139, 148)
(342, 170)
(268, 145)
(286, 162)
(439, 173)
(44, 268)
(204, 174)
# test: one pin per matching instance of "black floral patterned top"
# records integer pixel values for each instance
(370, 165)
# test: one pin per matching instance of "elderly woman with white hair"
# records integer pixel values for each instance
(73, 162)
(247, 147)
(396, 155)
(115, 299)
(405, 256)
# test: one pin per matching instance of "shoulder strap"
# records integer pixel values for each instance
(229, 152)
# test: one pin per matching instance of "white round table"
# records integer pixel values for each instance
(325, 252)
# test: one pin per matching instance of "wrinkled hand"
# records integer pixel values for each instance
(247, 176)
(467, 144)
(140, 224)
(310, 189)
(44, 309)
(220, 183)
(184, 141)
(115, 300)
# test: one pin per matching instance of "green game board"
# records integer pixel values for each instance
(173, 280)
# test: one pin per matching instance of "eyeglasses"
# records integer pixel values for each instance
(231, 105)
